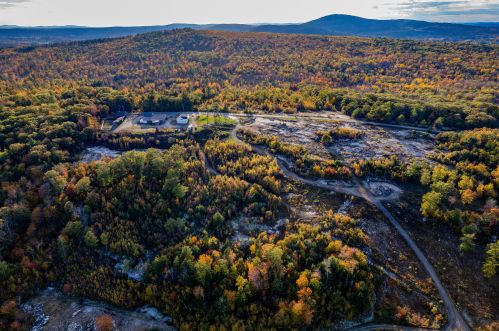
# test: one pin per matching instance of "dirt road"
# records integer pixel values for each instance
(207, 164)
(455, 319)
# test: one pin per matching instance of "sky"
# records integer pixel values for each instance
(159, 12)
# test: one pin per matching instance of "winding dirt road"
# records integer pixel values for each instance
(455, 319)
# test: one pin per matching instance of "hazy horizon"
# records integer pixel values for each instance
(217, 23)
(93, 13)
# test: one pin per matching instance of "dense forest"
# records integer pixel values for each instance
(68, 223)
(76, 220)
(408, 82)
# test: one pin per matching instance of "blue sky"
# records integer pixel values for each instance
(157, 12)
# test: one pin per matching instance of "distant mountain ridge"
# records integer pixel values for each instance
(347, 25)
(341, 25)
(486, 24)
(14, 36)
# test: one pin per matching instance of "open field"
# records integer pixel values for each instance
(213, 119)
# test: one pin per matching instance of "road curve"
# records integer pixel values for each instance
(207, 163)
(455, 319)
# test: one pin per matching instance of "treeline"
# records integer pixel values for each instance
(164, 103)
(466, 195)
(126, 141)
(374, 106)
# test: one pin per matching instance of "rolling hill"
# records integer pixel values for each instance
(346, 25)
(342, 25)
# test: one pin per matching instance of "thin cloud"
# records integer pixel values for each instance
(435, 10)
(11, 3)
(415, 5)
(492, 10)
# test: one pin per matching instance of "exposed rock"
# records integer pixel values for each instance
(56, 312)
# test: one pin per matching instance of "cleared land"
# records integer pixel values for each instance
(168, 121)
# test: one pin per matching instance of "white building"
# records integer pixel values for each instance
(183, 119)
(149, 121)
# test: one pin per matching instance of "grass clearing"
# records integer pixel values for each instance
(203, 120)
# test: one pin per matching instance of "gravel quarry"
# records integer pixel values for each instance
(376, 141)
